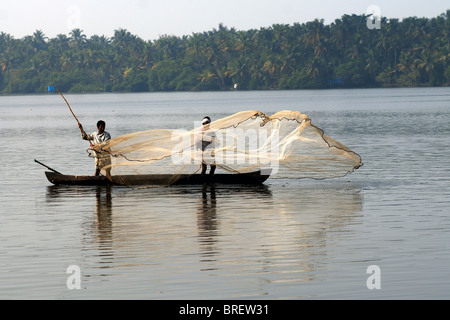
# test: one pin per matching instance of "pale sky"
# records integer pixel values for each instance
(149, 19)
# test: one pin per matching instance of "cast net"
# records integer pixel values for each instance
(285, 143)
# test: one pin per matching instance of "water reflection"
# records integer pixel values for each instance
(65, 196)
(271, 235)
(208, 219)
(207, 222)
(80, 202)
(321, 216)
(103, 210)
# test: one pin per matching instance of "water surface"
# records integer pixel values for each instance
(287, 239)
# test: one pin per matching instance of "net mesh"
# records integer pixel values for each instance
(285, 143)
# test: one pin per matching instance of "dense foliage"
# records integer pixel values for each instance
(346, 53)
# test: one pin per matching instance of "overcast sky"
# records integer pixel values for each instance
(149, 19)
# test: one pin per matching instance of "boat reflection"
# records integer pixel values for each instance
(79, 199)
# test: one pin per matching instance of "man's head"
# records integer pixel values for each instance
(101, 126)
(206, 120)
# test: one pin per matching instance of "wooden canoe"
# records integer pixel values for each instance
(251, 178)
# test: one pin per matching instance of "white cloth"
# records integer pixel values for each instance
(101, 160)
(205, 143)
(97, 138)
(205, 139)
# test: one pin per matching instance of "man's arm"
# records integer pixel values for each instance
(84, 136)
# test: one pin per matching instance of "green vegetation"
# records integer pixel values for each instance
(346, 53)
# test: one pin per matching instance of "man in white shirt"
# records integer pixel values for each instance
(206, 143)
(96, 138)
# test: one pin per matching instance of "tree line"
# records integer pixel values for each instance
(346, 53)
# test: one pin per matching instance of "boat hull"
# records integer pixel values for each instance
(158, 179)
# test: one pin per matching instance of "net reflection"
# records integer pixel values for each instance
(208, 220)
(310, 225)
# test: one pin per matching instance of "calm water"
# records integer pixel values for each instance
(287, 239)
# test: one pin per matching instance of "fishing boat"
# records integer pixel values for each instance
(250, 178)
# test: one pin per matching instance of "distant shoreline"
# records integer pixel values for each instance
(347, 53)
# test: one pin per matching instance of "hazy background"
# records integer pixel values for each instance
(150, 19)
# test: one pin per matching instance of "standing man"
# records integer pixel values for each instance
(101, 160)
(206, 142)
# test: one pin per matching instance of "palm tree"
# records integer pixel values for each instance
(315, 32)
(426, 63)
(7, 51)
(313, 69)
(316, 38)
(39, 40)
(121, 38)
(78, 39)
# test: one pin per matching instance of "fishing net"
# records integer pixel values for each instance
(286, 143)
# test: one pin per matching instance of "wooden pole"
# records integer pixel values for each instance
(83, 132)
(79, 124)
